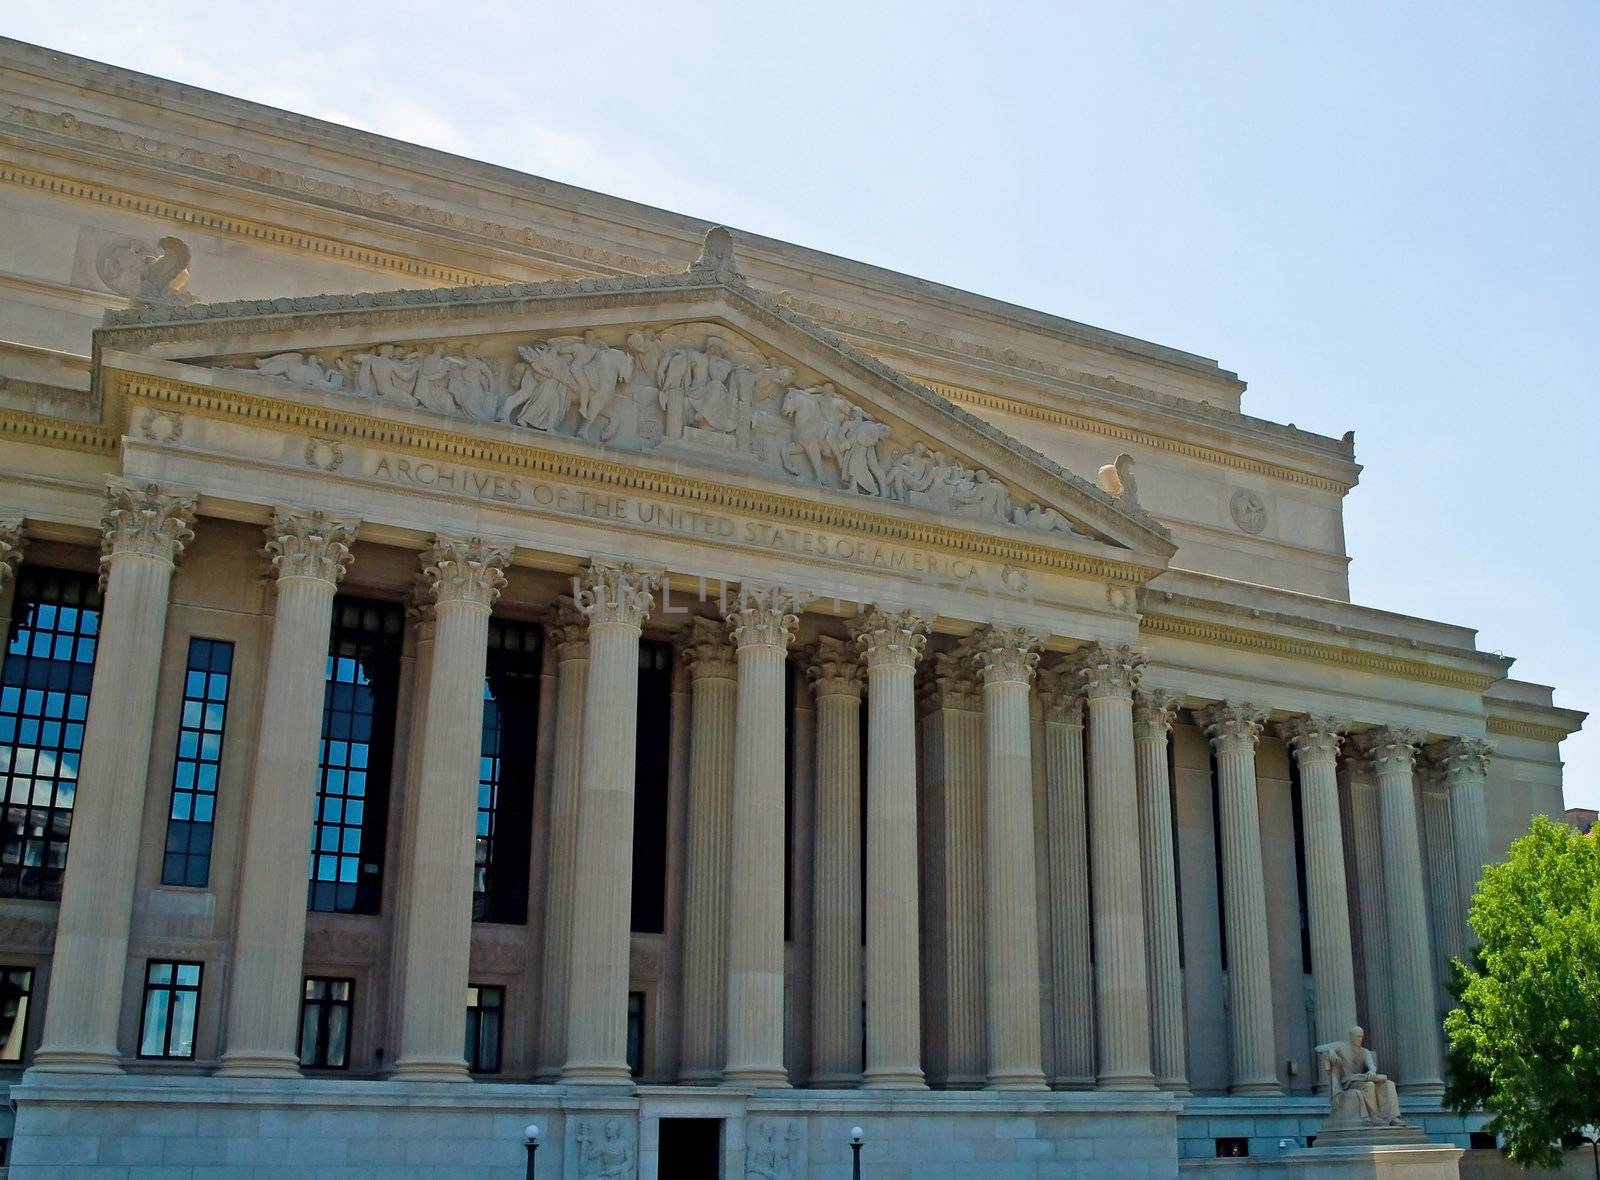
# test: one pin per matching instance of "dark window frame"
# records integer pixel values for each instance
(186, 859)
(638, 1003)
(326, 1006)
(506, 766)
(46, 676)
(23, 993)
(647, 905)
(475, 1042)
(174, 988)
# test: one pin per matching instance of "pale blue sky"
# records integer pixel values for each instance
(1382, 216)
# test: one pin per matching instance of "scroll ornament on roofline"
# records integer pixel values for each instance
(693, 386)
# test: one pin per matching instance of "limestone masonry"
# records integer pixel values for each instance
(532, 658)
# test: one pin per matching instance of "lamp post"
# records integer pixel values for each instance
(530, 1138)
(856, 1140)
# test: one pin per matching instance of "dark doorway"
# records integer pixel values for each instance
(691, 1149)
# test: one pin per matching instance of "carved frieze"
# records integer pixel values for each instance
(696, 387)
(12, 545)
(772, 1149)
(605, 1149)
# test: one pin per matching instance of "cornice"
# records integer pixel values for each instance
(1533, 730)
(61, 433)
(1221, 634)
(599, 472)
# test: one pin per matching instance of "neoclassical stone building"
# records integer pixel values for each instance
(481, 652)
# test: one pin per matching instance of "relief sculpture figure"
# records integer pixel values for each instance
(433, 381)
(597, 371)
(384, 374)
(301, 369)
(609, 1157)
(542, 389)
(471, 384)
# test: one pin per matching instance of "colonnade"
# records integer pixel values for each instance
(941, 973)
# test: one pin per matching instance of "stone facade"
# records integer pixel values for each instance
(1021, 786)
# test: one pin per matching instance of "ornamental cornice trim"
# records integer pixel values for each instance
(1306, 649)
(1532, 730)
(238, 227)
(610, 474)
(58, 433)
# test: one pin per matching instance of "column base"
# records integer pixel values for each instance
(1071, 1082)
(834, 1081)
(1021, 1080)
(893, 1079)
(964, 1081)
(76, 1059)
(1258, 1086)
(756, 1078)
(430, 1069)
(1428, 1088)
(1126, 1081)
(1173, 1085)
(258, 1065)
(596, 1073)
(700, 1077)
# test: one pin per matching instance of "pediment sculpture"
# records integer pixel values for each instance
(692, 387)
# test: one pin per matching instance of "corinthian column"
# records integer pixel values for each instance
(1153, 712)
(309, 552)
(835, 672)
(1234, 728)
(143, 531)
(952, 842)
(617, 599)
(1465, 762)
(1410, 968)
(1070, 968)
(705, 910)
(762, 625)
(567, 632)
(1315, 742)
(1108, 675)
(1006, 657)
(892, 642)
(463, 579)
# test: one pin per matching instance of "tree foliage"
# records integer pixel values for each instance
(1525, 1038)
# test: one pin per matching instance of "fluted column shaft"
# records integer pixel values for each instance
(144, 530)
(1416, 1018)
(705, 908)
(762, 626)
(1071, 976)
(1108, 675)
(1366, 844)
(1152, 724)
(836, 680)
(616, 599)
(463, 579)
(1466, 767)
(567, 631)
(1234, 729)
(892, 643)
(1006, 657)
(309, 553)
(1315, 745)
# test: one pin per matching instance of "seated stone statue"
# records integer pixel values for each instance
(1358, 1095)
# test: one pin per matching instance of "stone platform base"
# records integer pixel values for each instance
(1427, 1161)
(209, 1128)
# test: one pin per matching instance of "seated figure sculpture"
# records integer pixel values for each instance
(1358, 1095)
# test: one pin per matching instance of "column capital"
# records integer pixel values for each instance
(1005, 653)
(949, 682)
(566, 629)
(12, 544)
(464, 569)
(706, 650)
(1314, 738)
(1462, 759)
(890, 636)
(1233, 726)
(142, 519)
(308, 544)
(616, 592)
(1108, 670)
(1063, 703)
(764, 616)
(834, 668)
(1391, 748)
(1153, 713)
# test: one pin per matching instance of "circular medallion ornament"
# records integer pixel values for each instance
(1249, 511)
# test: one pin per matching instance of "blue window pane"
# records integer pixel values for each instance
(197, 763)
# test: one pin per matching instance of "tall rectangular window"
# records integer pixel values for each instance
(16, 997)
(653, 731)
(171, 1004)
(505, 772)
(635, 1041)
(199, 760)
(485, 1012)
(44, 701)
(357, 744)
(325, 1010)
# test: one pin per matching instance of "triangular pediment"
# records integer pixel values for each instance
(698, 369)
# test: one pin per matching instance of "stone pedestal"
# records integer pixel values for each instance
(1391, 1161)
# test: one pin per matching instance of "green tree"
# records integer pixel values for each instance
(1525, 1038)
